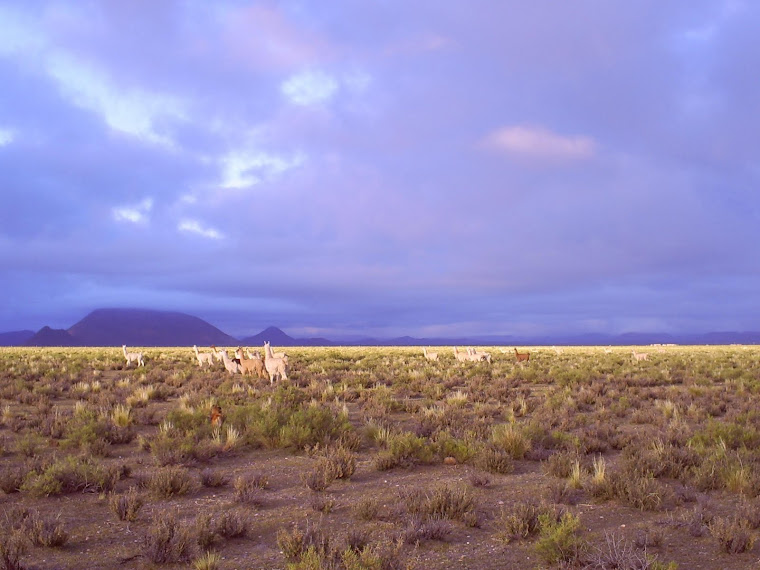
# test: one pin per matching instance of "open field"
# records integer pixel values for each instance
(379, 458)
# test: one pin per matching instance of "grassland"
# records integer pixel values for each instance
(378, 458)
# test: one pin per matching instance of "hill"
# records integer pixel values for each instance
(51, 337)
(134, 327)
(15, 338)
(278, 338)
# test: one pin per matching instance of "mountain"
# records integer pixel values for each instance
(134, 327)
(140, 327)
(15, 338)
(51, 337)
(277, 337)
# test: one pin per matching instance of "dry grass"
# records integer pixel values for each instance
(403, 452)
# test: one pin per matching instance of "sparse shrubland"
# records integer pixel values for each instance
(581, 457)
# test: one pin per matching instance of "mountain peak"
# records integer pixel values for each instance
(270, 334)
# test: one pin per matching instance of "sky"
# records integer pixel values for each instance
(347, 168)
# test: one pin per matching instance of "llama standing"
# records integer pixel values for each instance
(429, 355)
(461, 356)
(231, 366)
(638, 356)
(217, 353)
(252, 365)
(203, 357)
(131, 357)
(479, 355)
(275, 366)
(522, 356)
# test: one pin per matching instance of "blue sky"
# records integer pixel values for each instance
(344, 168)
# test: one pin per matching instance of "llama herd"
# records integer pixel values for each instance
(274, 364)
(473, 355)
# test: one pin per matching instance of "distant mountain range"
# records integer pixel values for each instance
(142, 327)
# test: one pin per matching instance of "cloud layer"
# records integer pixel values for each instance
(383, 169)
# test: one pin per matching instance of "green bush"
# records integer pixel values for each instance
(70, 475)
(558, 541)
(404, 449)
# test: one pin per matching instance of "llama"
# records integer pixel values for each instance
(638, 356)
(479, 355)
(251, 355)
(216, 352)
(522, 356)
(217, 418)
(231, 366)
(429, 355)
(274, 366)
(204, 357)
(253, 365)
(278, 355)
(136, 357)
(461, 356)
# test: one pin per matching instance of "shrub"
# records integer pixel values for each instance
(479, 480)
(207, 561)
(313, 425)
(367, 509)
(404, 449)
(521, 520)
(562, 492)
(418, 530)
(561, 463)
(617, 553)
(509, 439)
(126, 505)
(205, 534)
(494, 460)
(46, 532)
(640, 491)
(295, 543)
(166, 482)
(732, 534)
(342, 461)
(11, 479)
(213, 479)
(320, 476)
(166, 541)
(69, 475)
(450, 502)
(321, 504)
(558, 540)
(248, 489)
(445, 445)
(13, 545)
(232, 524)
(29, 444)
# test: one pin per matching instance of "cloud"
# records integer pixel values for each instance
(134, 111)
(195, 227)
(310, 88)
(243, 169)
(6, 136)
(135, 214)
(538, 142)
